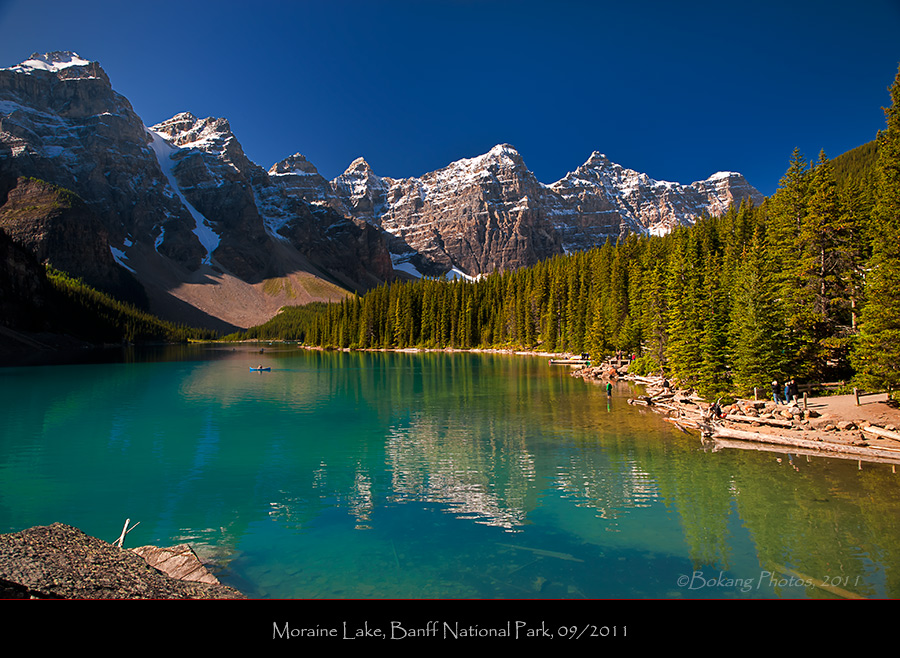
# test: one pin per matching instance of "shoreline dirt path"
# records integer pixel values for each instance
(872, 409)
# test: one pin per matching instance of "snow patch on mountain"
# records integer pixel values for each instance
(204, 232)
(121, 257)
(273, 212)
(456, 273)
(401, 263)
(53, 133)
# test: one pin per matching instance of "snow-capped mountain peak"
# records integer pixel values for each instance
(296, 164)
(358, 166)
(186, 131)
(362, 188)
(504, 151)
(597, 159)
(723, 175)
(53, 62)
(501, 154)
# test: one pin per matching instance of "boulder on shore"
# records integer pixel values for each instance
(61, 562)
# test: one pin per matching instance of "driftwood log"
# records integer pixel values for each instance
(764, 421)
(717, 431)
(883, 433)
(803, 452)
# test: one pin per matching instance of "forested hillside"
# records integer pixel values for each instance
(857, 166)
(805, 285)
(41, 306)
(94, 316)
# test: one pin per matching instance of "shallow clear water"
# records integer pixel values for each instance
(397, 475)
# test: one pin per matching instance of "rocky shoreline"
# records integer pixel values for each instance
(62, 562)
(833, 426)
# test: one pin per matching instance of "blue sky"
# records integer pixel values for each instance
(675, 90)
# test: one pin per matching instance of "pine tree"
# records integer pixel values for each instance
(877, 355)
(683, 288)
(713, 377)
(617, 301)
(817, 297)
(856, 209)
(654, 307)
(787, 213)
(756, 327)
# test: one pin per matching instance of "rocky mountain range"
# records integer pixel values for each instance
(213, 239)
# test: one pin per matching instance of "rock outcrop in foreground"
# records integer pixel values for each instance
(61, 562)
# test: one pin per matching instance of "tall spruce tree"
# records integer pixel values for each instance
(654, 311)
(713, 378)
(683, 292)
(819, 295)
(756, 324)
(786, 216)
(877, 354)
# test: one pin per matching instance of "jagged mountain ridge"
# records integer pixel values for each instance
(182, 206)
(644, 205)
(490, 212)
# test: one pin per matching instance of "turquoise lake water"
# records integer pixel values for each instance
(430, 475)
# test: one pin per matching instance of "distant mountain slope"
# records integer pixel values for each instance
(178, 211)
(215, 239)
(41, 311)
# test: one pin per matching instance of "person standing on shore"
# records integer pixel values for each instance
(775, 391)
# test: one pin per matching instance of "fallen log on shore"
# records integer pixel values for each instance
(686, 410)
(721, 435)
(682, 421)
(880, 431)
(646, 380)
(805, 452)
(758, 419)
(717, 431)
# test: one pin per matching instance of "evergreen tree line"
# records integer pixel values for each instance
(805, 285)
